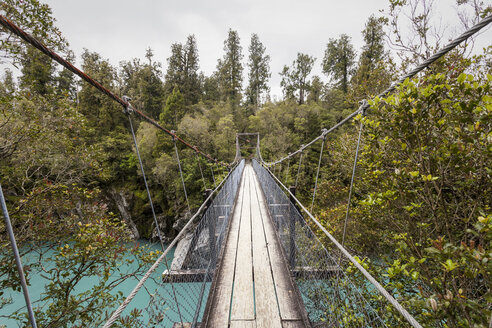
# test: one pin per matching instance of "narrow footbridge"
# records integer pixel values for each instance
(252, 260)
(249, 256)
(253, 285)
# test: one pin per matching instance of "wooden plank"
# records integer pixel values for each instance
(243, 324)
(222, 301)
(267, 311)
(242, 297)
(286, 295)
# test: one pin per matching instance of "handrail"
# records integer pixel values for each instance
(142, 281)
(344, 251)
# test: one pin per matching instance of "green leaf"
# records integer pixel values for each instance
(449, 265)
(461, 78)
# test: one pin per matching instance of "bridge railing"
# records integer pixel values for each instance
(182, 294)
(332, 297)
(182, 290)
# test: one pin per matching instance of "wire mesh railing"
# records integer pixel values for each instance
(181, 297)
(181, 294)
(332, 297)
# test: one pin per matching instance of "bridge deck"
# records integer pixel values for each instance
(253, 288)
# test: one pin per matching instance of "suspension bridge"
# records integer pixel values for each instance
(250, 257)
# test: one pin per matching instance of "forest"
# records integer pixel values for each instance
(420, 220)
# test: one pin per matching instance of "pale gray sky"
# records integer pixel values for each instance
(123, 29)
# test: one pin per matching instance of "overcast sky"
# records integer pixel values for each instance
(123, 29)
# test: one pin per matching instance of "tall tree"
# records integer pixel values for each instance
(339, 60)
(174, 110)
(101, 112)
(142, 82)
(37, 72)
(372, 74)
(294, 78)
(150, 87)
(259, 71)
(192, 85)
(373, 49)
(230, 68)
(175, 68)
(287, 83)
(182, 71)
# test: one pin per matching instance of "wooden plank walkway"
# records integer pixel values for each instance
(253, 288)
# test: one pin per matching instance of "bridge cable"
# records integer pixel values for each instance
(5, 22)
(299, 169)
(426, 63)
(128, 112)
(353, 175)
(287, 172)
(181, 174)
(213, 177)
(414, 323)
(18, 263)
(201, 172)
(317, 171)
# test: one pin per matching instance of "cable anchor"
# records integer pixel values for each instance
(363, 106)
(128, 108)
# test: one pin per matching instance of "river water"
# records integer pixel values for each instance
(38, 283)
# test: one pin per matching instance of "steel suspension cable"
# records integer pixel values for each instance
(181, 174)
(201, 172)
(17, 257)
(352, 182)
(152, 207)
(317, 171)
(287, 172)
(299, 169)
(213, 177)
(426, 63)
(258, 147)
(5, 22)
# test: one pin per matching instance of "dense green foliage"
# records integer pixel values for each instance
(424, 197)
(420, 215)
